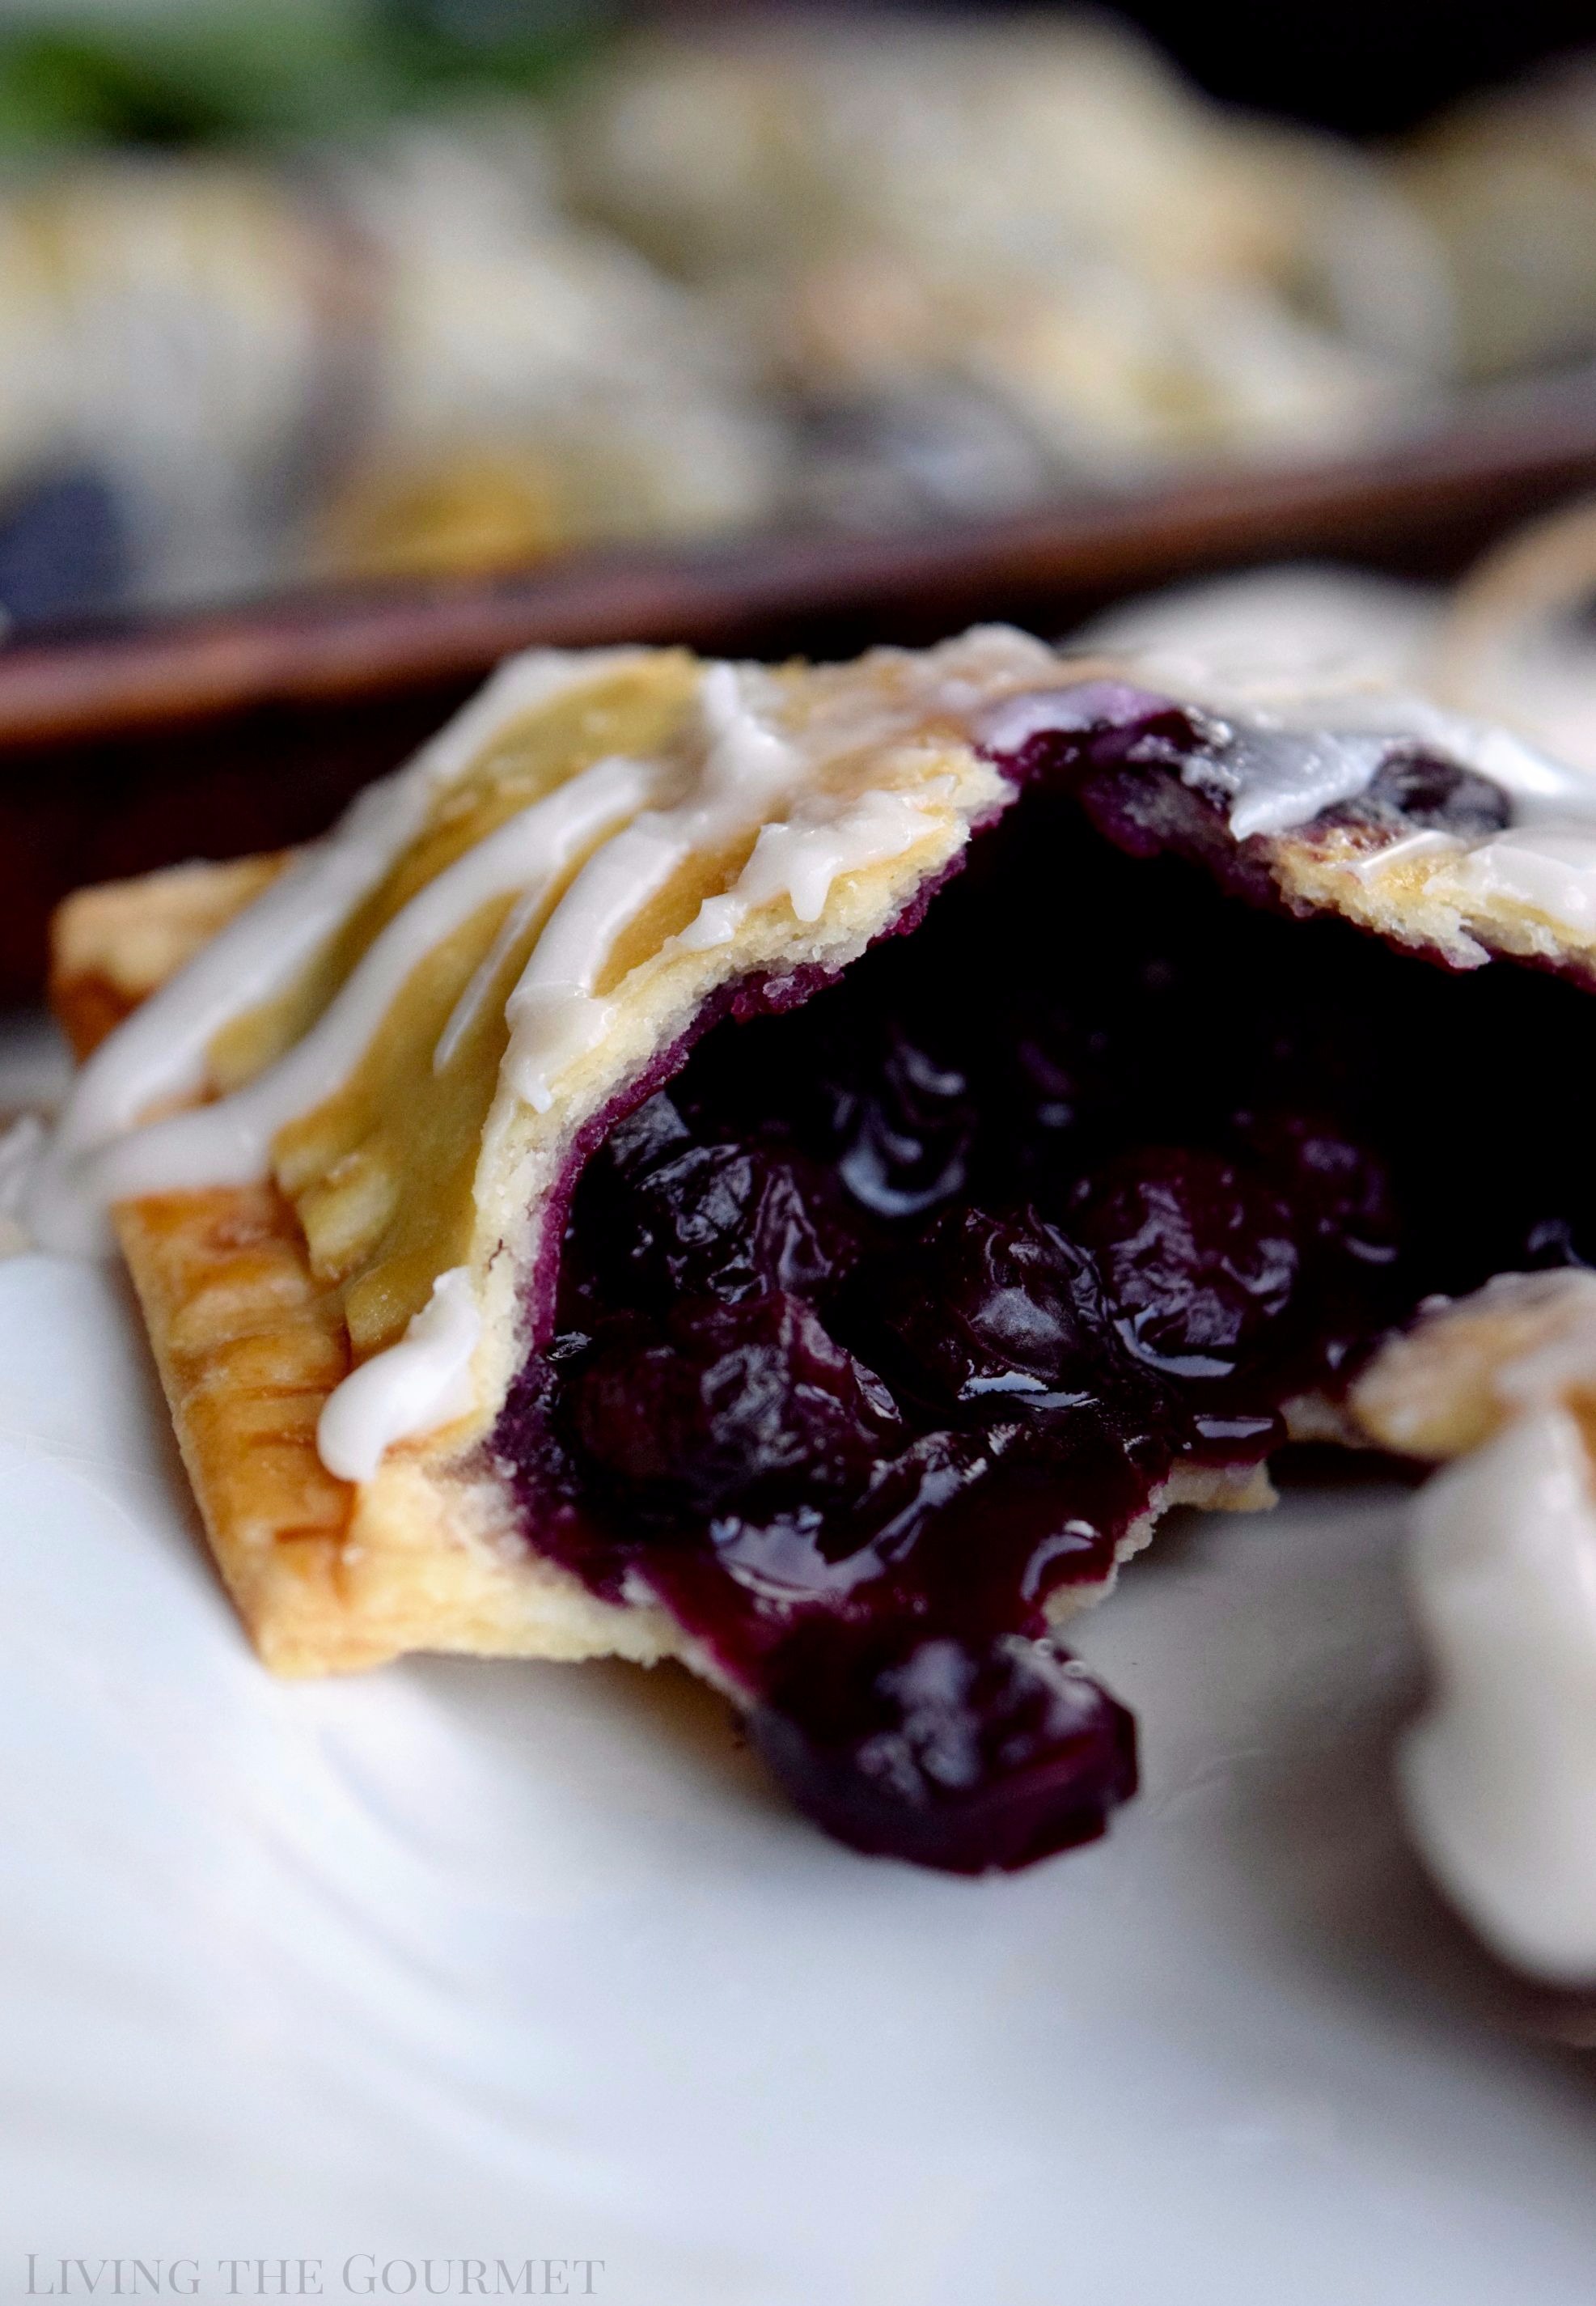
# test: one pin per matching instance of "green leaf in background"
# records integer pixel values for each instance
(522, 44)
(175, 75)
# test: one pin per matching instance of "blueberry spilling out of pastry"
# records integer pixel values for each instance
(798, 1169)
(880, 1327)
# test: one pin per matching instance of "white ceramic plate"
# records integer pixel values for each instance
(469, 1961)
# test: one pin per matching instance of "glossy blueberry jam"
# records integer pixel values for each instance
(886, 1321)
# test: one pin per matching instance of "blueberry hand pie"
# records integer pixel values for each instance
(795, 1169)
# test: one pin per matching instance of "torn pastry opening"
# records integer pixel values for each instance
(820, 1189)
(882, 1331)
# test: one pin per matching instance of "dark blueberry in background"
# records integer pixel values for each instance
(1197, 1256)
(878, 460)
(972, 1756)
(62, 549)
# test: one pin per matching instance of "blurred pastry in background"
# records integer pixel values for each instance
(169, 328)
(1506, 184)
(1035, 212)
(530, 382)
(755, 270)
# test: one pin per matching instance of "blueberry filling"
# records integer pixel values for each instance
(887, 1321)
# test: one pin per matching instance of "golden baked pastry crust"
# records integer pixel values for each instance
(327, 1578)
(113, 946)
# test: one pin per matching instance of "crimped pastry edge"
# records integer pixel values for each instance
(327, 1578)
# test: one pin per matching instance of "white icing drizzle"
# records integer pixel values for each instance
(1010, 724)
(749, 772)
(1281, 765)
(160, 1053)
(1499, 1777)
(1549, 868)
(744, 753)
(1400, 852)
(554, 1015)
(468, 1008)
(423, 1382)
(799, 859)
(229, 1142)
(1542, 790)
(158, 1056)
(969, 669)
(1280, 778)
(1274, 776)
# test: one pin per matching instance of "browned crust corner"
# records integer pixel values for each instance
(114, 945)
(247, 1347)
(327, 1578)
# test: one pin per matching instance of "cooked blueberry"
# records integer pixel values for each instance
(1336, 1190)
(731, 1401)
(643, 1137)
(1105, 723)
(969, 1756)
(719, 1220)
(1197, 1257)
(1440, 796)
(998, 1311)
(905, 1141)
(1049, 1509)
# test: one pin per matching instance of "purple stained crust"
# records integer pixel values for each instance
(879, 1313)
